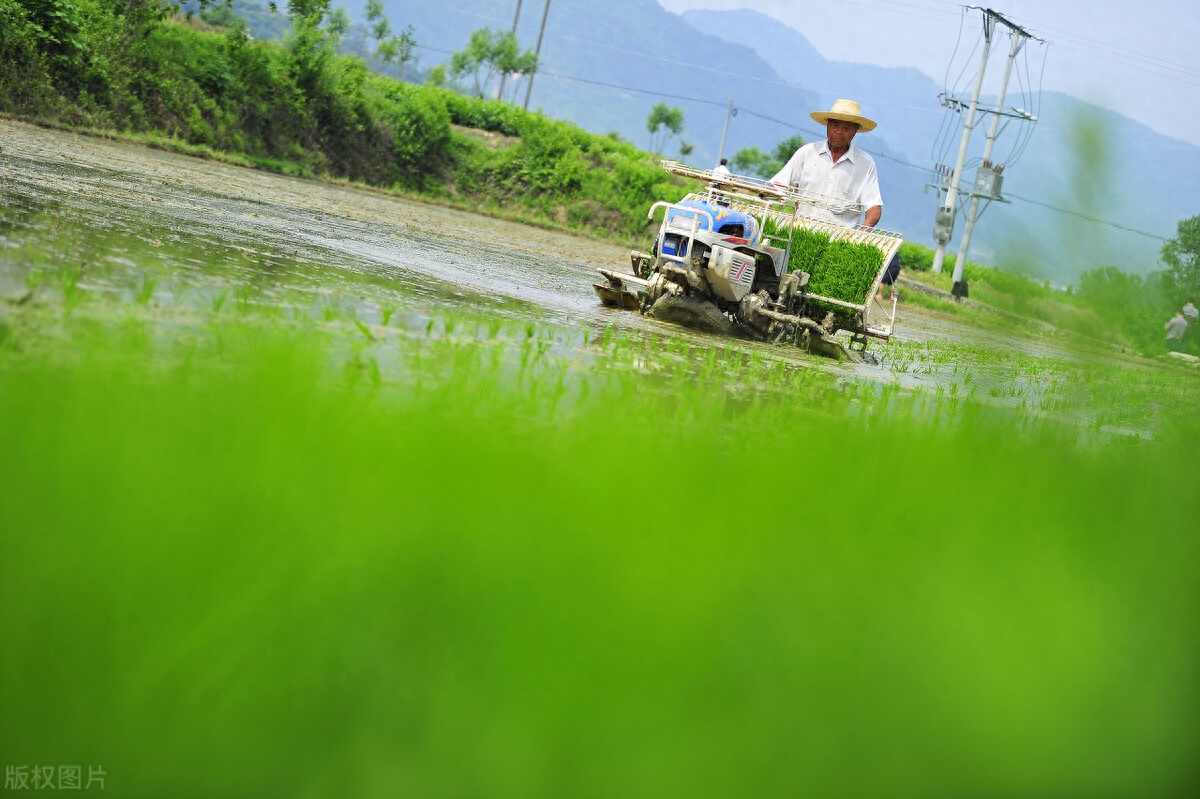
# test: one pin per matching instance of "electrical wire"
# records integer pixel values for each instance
(944, 139)
(814, 134)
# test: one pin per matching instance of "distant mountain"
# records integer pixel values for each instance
(607, 62)
(1079, 158)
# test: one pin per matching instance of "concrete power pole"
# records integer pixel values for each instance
(943, 225)
(989, 176)
(504, 75)
(987, 179)
(730, 113)
(537, 53)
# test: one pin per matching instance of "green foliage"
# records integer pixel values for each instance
(305, 108)
(753, 161)
(915, 257)
(663, 123)
(488, 54)
(548, 158)
(312, 47)
(1182, 257)
(1134, 306)
(418, 125)
(483, 114)
(26, 89)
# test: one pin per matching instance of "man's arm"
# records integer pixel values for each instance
(873, 214)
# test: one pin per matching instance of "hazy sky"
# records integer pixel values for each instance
(1140, 59)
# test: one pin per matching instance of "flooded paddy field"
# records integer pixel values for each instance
(308, 490)
(105, 228)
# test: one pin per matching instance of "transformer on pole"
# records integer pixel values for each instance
(988, 177)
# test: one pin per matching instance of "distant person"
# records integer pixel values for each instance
(1192, 314)
(889, 278)
(836, 168)
(1176, 327)
(721, 170)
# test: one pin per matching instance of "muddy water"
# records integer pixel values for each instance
(203, 229)
(210, 227)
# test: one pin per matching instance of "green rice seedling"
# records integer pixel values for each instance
(366, 332)
(846, 271)
(241, 297)
(839, 269)
(34, 278)
(386, 311)
(219, 299)
(146, 290)
(72, 294)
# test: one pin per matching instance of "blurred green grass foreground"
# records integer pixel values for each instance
(229, 572)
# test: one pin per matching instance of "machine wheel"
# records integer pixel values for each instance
(692, 312)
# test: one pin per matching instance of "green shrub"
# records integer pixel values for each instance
(419, 126)
(25, 85)
(915, 257)
(484, 114)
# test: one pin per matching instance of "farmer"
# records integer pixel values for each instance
(1175, 328)
(1192, 315)
(836, 168)
(721, 170)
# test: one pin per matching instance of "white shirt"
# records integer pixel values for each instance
(1192, 313)
(852, 179)
(720, 171)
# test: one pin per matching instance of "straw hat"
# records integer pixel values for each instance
(847, 110)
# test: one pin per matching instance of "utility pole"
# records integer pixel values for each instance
(732, 112)
(989, 176)
(987, 179)
(943, 226)
(537, 53)
(504, 76)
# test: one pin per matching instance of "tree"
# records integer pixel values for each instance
(390, 48)
(311, 46)
(1182, 257)
(754, 161)
(489, 53)
(398, 49)
(663, 123)
(685, 148)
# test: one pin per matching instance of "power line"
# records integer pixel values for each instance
(1088, 218)
(813, 133)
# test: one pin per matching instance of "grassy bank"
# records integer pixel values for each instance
(302, 107)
